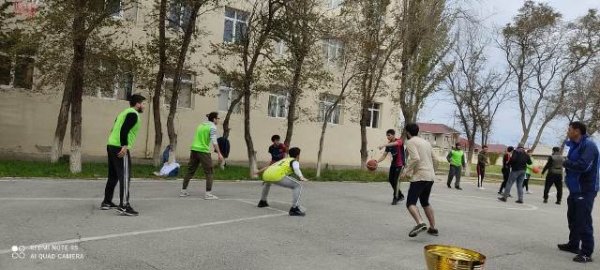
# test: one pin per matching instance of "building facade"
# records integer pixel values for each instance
(28, 115)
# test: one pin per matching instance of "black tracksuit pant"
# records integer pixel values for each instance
(119, 170)
(553, 180)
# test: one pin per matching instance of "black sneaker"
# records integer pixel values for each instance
(502, 199)
(459, 188)
(417, 229)
(395, 201)
(568, 248)
(519, 201)
(401, 197)
(545, 200)
(448, 185)
(582, 259)
(107, 206)
(295, 211)
(127, 211)
(262, 204)
(557, 202)
(433, 231)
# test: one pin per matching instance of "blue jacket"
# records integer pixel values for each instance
(582, 166)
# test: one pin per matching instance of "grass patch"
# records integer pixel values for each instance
(17, 168)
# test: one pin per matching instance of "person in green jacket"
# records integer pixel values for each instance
(120, 141)
(206, 135)
(456, 158)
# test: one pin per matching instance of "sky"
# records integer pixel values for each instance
(507, 126)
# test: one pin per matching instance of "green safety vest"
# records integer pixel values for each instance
(456, 157)
(114, 139)
(201, 141)
(278, 170)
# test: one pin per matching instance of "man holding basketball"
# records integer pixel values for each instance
(396, 148)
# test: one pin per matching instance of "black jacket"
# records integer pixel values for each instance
(519, 160)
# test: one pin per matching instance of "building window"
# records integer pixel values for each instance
(180, 13)
(236, 22)
(326, 102)
(333, 50)
(278, 105)
(115, 7)
(121, 88)
(184, 99)
(374, 112)
(331, 4)
(226, 95)
(16, 72)
(280, 48)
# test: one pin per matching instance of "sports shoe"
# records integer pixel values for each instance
(107, 206)
(127, 211)
(568, 248)
(545, 200)
(519, 201)
(459, 188)
(184, 193)
(401, 197)
(482, 188)
(502, 199)
(209, 196)
(262, 204)
(557, 202)
(529, 192)
(395, 201)
(417, 229)
(433, 231)
(582, 259)
(448, 186)
(295, 211)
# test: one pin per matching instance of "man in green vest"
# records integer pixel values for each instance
(456, 158)
(120, 141)
(206, 134)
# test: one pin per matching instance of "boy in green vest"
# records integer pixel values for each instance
(120, 141)
(206, 134)
(279, 173)
(456, 158)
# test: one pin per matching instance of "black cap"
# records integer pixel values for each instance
(135, 99)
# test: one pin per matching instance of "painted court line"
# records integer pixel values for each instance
(109, 236)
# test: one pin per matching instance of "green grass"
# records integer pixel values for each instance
(17, 168)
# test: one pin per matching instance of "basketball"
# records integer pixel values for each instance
(536, 169)
(372, 165)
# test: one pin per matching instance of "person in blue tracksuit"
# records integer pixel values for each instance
(581, 179)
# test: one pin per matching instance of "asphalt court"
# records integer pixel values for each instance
(57, 224)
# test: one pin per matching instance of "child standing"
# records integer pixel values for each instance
(277, 149)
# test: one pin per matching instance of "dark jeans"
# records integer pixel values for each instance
(480, 174)
(454, 171)
(556, 180)
(526, 181)
(393, 179)
(505, 175)
(196, 159)
(118, 171)
(579, 216)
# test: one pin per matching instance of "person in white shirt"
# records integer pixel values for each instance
(421, 174)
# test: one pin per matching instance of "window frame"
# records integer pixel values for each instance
(371, 110)
(237, 13)
(223, 86)
(13, 61)
(278, 96)
(325, 101)
(168, 79)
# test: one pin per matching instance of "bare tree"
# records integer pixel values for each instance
(250, 50)
(160, 75)
(582, 103)
(544, 53)
(373, 25)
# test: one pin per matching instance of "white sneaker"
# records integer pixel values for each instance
(209, 196)
(529, 192)
(481, 188)
(184, 193)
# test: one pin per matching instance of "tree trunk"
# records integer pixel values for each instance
(364, 152)
(321, 143)
(294, 97)
(247, 135)
(79, 40)
(63, 120)
(187, 37)
(226, 128)
(160, 75)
